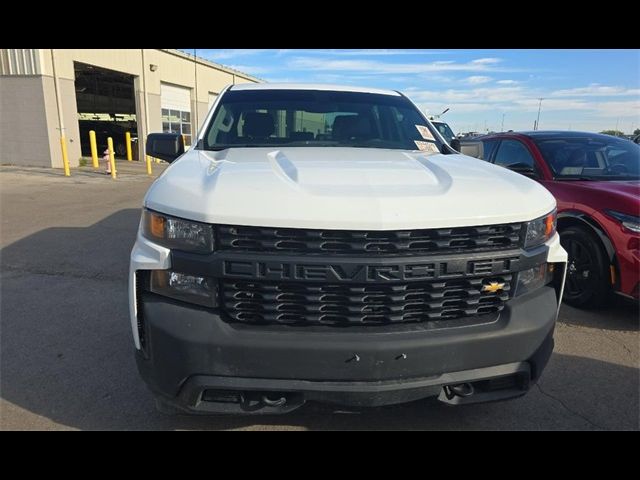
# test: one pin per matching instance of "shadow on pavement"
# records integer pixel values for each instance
(100, 251)
(621, 314)
(67, 356)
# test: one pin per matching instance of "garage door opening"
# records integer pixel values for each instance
(106, 104)
(176, 110)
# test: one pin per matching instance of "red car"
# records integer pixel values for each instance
(596, 181)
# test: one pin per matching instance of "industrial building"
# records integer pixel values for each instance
(46, 94)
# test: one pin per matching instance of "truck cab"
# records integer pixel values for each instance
(444, 129)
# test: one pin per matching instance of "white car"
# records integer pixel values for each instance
(325, 243)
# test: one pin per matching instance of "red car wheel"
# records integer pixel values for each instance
(587, 283)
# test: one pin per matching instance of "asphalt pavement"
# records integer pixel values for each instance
(66, 351)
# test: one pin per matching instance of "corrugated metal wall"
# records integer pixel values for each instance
(19, 61)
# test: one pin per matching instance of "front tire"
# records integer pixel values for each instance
(587, 284)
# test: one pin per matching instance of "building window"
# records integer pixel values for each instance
(176, 121)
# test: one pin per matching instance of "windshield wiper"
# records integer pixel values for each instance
(297, 144)
(217, 148)
(587, 179)
(374, 144)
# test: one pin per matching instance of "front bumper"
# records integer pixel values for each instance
(191, 354)
(629, 264)
(196, 362)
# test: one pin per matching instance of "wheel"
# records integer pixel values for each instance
(587, 283)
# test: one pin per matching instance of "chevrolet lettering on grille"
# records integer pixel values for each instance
(362, 273)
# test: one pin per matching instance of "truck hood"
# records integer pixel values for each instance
(344, 188)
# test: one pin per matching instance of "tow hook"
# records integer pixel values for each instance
(459, 390)
(278, 402)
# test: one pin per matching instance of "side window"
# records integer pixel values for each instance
(488, 146)
(513, 153)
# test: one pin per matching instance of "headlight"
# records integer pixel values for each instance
(540, 230)
(188, 288)
(630, 222)
(177, 233)
(534, 278)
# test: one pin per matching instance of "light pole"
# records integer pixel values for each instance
(195, 81)
(437, 117)
(538, 119)
(502, 125)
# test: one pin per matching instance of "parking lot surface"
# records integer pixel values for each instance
(66, 351)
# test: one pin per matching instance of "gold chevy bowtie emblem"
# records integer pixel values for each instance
(493, 287)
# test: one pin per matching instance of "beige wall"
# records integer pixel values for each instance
(172, 67)
(155, 107)
(140, 109)
(203, 110)
(52, 131)
(71, 128)
(23, 124)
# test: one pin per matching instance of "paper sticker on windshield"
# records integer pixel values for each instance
(428, 147)
(424, 131)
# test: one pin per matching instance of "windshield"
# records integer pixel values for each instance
(591, 158)
(315, 118)
(445, 130)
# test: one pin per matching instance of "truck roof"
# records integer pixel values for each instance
(310, 86)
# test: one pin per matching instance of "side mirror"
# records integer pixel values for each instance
(165, 146)
(455, 144)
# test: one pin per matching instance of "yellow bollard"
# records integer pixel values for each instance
(127, 141)
(94, 148)
(148, 165)
(65, 156)
(112, 158)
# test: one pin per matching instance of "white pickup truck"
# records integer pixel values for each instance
(325, 243)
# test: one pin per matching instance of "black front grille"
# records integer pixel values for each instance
(346, 305)
(370, 243)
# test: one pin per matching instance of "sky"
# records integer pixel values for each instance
(589, 90)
